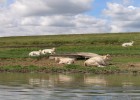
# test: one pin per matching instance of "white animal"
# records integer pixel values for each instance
(51, 58)
(64, 60)
(57, 59)
(48, 51)
(99, 61)
(35, 53)
(128, 44)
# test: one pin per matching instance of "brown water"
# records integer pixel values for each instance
(17, 86)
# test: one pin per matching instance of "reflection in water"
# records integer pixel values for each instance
(95, 80)
(65, 78)
(127, 84)
(15, 86)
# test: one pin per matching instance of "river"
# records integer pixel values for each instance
(41, 86)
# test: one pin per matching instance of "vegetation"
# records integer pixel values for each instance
(58, 40)
(66, 68)
(122, 58)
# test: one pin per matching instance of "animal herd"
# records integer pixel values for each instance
(98, 60)
(42, 52)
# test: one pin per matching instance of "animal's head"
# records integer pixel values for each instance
(107, 57)
(132, 41)
(57, 59)
(40, 51)
(54, 48)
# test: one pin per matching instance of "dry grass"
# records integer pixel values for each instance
(45, 62)
(32, 61)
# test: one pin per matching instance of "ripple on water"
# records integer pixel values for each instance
(69, 87)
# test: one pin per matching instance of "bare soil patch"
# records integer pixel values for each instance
(45, 62)
(32, 61)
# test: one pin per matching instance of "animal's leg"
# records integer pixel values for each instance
(103, 63)
(101, 66)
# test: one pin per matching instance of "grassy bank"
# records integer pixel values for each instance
(58, 40)
(14, 52)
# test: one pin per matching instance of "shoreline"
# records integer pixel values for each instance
(64, 70)
(44, 65)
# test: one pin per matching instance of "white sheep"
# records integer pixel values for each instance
(48, 51)
(64, 60)
(99, 61)
(57, 59)
(35, 53)
(128, 44)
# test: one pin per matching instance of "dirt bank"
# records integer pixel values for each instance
(45, 62)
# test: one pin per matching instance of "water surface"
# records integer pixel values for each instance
(19, 86)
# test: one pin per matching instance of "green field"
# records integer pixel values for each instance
(109, 43)
(96, 43)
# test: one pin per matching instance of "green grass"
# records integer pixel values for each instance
(19, 47)
(104, 49)
(19, 68)
(57, 40)
(77, 68)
